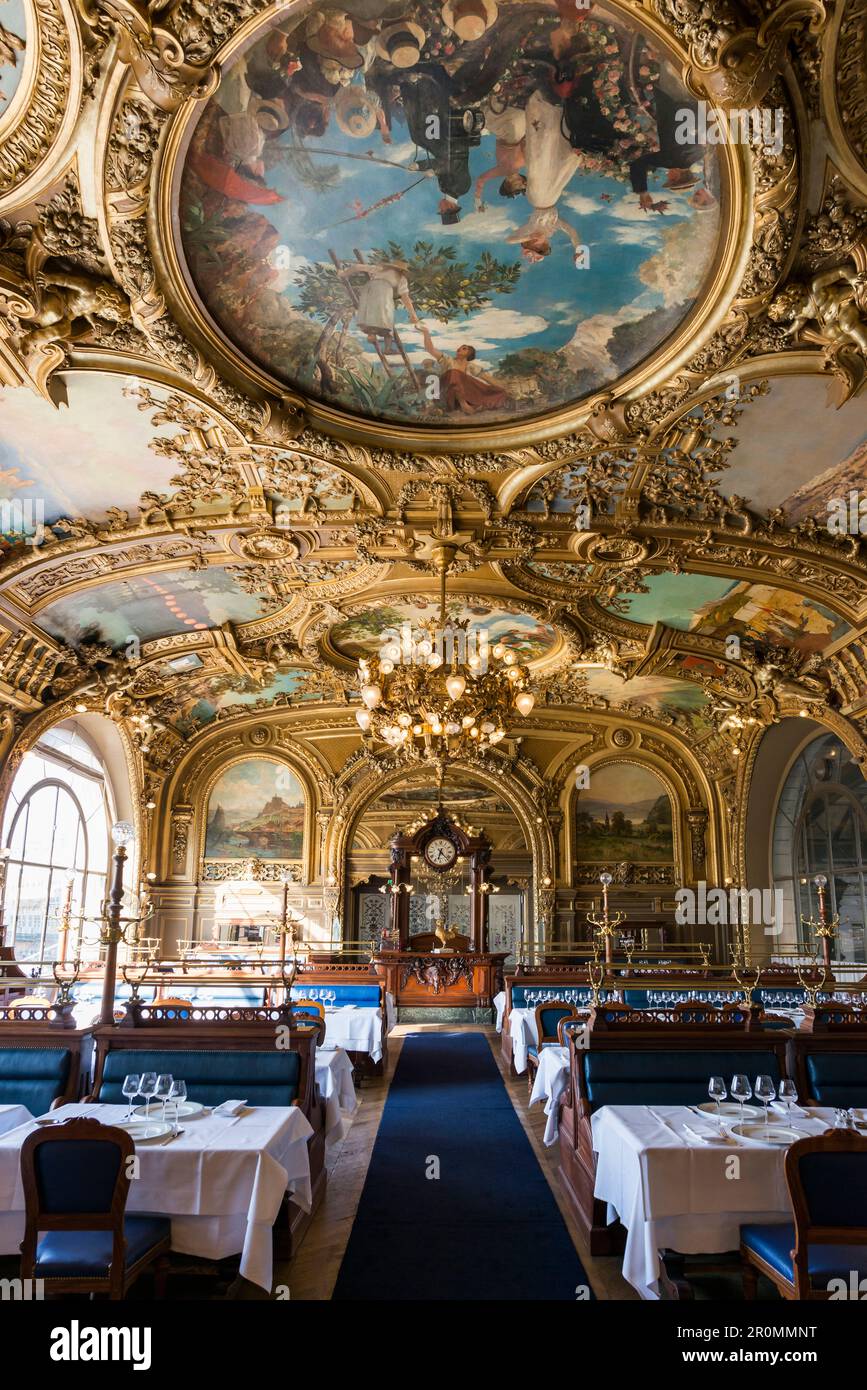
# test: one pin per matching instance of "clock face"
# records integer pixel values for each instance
(440, 853)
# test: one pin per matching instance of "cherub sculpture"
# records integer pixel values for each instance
(831, 310)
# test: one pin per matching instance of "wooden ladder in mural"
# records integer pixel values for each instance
(383, 357)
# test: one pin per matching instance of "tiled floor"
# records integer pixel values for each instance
(313, 1272)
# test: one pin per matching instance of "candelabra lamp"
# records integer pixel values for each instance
(608, 925)
(115, 926)
(824, 928)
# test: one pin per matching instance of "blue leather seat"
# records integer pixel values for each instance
(775, 1244)
(87, 1254)
(76, 1182)
(365, 996)
(827, 1180)
(33, 1076)
(261, 1078)
(837, 1078)
(665, 1078)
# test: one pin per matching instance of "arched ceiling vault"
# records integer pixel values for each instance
(217, 483)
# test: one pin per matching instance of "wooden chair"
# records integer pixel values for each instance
(827, 1180)
(76, 1186)
(310, 1011)
(549, 1015)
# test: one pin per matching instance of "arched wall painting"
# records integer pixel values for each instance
(449, 211)
(624, 816)
(256, 809)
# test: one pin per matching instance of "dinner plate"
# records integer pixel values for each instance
(143, 1131)
(730, 1108)
(779, 1136)
(185, 1111)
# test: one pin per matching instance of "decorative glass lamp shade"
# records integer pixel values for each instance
(123, 833)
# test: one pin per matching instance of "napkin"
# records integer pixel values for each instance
(229, 1107)
(706, 1136)
(779, 1107)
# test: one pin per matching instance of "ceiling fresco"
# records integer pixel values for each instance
(364, 634)
(798, 450)
(436, 215)
(341, 298)
(148, 606)
(62, 458)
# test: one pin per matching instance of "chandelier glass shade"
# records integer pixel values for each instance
(422, 698)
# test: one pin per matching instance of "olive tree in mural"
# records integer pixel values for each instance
(256, 808)
(624, 815)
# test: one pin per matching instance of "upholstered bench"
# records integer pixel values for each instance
(260, 1078)
(676, 1077)
(34, 1077)
(363, 996)
(835, 1077)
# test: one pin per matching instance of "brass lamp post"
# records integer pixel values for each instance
(123, 834)
(608, 924)
(824, 929)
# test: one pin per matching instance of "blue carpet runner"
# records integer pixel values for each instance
(489, 1227)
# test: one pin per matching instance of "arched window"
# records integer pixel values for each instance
(56, 827)
(821, 828)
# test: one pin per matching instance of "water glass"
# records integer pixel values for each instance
(741, 1091)
(163, 1090)
(765, 1091)
(177, 1093)
(716, 1089)
(130, 1089)
(789, 1094)
(148, 1089)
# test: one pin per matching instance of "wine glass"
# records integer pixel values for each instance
(741, 1091)
(164, 1090)
(177, 1093)
(789, 1094)
(130, 1089)
(716, 1089)
(147, 1089)
(765, 1091)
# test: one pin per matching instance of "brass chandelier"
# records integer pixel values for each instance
(434, 700)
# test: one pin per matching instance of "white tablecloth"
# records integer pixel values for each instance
(500, 1001)
(334, 1079)
(11, 1116)
(671, 1192)
(522, 1028)
(222, 1182)
(355, 1029)
(552, 1078)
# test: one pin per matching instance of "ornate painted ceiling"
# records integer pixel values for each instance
(291, 294)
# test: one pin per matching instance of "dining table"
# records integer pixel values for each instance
(221, 1180)
(355, 1028)
(678, 1179)
(11, 1116)
(334, 1079)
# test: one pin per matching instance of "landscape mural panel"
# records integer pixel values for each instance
(256, 808)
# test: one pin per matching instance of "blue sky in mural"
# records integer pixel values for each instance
(13, 20)
(674, 598)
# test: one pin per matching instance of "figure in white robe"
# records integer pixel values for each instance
(550, 162)
(385, 286)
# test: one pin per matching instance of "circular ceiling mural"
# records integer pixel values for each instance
(449, 213)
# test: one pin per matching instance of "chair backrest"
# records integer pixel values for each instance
(75, 1178)
(262, 1078)
(33, 1076)
(836, 1077)
(827, 1179)
(572, 1023)
(548, 1018)
(314, 1007)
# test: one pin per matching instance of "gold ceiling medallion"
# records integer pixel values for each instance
(379, 302)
